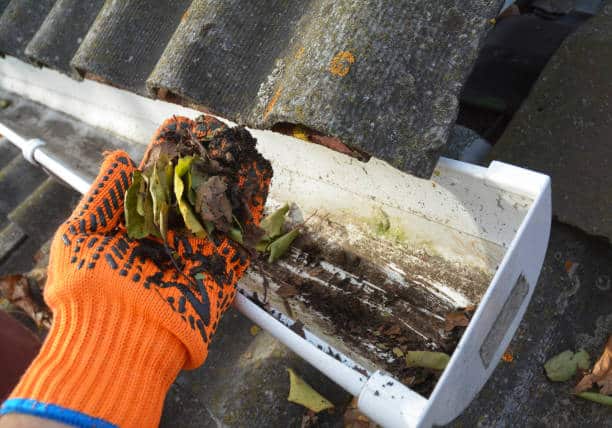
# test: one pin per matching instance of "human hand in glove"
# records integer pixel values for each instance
(126, 321)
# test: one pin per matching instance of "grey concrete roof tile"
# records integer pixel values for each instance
(382, 77)
(19, 22)
(126, 40)
(563, 129)
(62, 32)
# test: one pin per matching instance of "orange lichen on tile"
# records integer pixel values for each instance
(340, 64)
(185, 16)
(272, 102)
(300, 53)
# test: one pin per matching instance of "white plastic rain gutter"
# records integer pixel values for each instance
(474, 215)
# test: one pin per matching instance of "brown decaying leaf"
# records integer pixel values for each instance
(455, 319)
(212, 204)
(394, 330)
(309, 420)
(287, 290)
(353, 418)
(16, 290)
(601, 373)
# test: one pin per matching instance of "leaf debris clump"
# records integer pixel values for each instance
(191, 184)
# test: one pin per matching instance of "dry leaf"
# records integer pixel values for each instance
(427, 359)
(212, 204)
(286, 290)
(309, 420)
(601, 373)
(303, 394)
(394, 330)
(254, 330)
(455, 319)
(353, 418)
(16, 290)
(397, 352)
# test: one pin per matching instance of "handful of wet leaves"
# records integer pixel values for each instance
(190, 184)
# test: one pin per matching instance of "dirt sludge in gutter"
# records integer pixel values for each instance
(353, 309)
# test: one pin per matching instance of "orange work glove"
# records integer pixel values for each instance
(125, 320)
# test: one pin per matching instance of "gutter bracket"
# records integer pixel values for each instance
(30, 147)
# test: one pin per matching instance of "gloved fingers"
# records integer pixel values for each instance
(256, 175)
(206, 285)
(101, 209)
(207, 127)
(217, 259)
(169, 131)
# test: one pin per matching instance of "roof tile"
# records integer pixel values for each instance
(382, 77)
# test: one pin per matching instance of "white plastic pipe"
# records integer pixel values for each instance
(34, 153)
(344, 376)
(62, 172)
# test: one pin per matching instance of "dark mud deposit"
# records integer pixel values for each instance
(353, 299)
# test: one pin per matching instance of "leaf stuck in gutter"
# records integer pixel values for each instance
(274, 242)
(280, 246)
(427, 359)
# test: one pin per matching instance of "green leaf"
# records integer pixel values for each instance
(280, 246)
(303, 394)
(235, 234)
(583, 359)
(185, 209)
(168, 181)
(238, 223)
(596, 397)
(427, 359)
(200, 276)
(262, 246)
(209, 226)
(163, 219)
(149, 224)
(191, 195)
(182, 166)
(142, 194)
(563, 366)
(134, 221)
(158, 193)
(273, 224)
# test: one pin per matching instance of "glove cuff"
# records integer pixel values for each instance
(103, 361)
